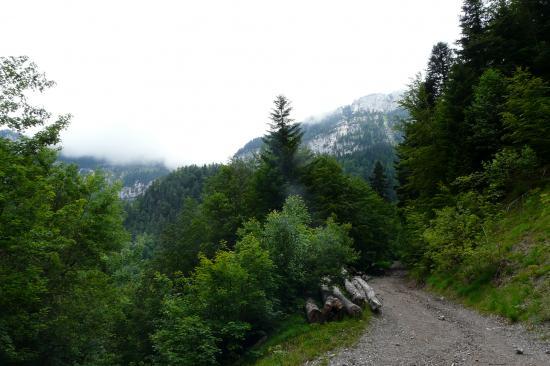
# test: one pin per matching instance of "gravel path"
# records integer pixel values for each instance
(418, 328)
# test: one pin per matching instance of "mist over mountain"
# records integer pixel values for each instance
(358, 134)
(135, 178)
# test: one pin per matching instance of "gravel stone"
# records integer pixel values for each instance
(464, 338)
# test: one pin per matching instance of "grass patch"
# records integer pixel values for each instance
(295, 341)
(512, 271)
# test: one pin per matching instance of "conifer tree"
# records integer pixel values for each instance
(472, 23)
(283, 140)
(438, 69)
(278, 172)
(379, 181)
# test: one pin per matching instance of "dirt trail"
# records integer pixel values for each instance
(418, 328)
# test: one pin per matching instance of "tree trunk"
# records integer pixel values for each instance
(370, 295)
(357, 294)
(313, 313)
(350, 307)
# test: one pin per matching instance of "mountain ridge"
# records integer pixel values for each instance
(136, 177)
(342, 118)
(357, 135)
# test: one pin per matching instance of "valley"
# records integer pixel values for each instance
(407, 228)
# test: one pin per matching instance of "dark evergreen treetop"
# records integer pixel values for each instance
(438, 70)
(379, 181)
(472, 22)
(283, 139)
(493, 92)
(278, 172)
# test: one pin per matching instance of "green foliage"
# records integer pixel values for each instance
(231, 294)
(510, 170)
(285, 235)
(229, 200)
(179, 245)
(283, 141)
(421, 165)
(183, 340)
(18, 77)
(526, 112)
(237, 294)
(143, 310)
(280, 161)
(234, 286)
(57, 228)
(438, 70)
(475, 152)
(508, 272)
(303, 255)
(454, 233)
(373, 221)
(379, 181)
(161, 204)
(483, 116)
(59, 305)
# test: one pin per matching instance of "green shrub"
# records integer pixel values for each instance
(183, 340)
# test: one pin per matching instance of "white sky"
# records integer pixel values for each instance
(192, 81)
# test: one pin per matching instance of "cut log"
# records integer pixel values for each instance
(325, 292)
(333, 309)
(351, 308)
(358, 296)
(313, 313)
(374, 303)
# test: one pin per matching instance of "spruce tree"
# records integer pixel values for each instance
(278, 173)
(475, 41)
(283, 140)
(438, 69)
(379, 181)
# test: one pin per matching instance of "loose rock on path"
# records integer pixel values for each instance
(418, 328)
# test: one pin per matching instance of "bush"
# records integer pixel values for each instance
(511, 170)
(183, 340)
(303, 255)
(236, 294)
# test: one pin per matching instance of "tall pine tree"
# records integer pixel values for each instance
(473, 22)
(283, 140)
(379, 181)
(279, 171)
(438, 70)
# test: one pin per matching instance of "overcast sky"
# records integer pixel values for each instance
(192, 81)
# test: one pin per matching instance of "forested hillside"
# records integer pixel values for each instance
(475, 160)
(214, 264)
(220, 255)
(165, 197)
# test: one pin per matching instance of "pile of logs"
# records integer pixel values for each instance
(336, 305)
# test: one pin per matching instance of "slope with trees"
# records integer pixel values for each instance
(246, 250)
(58, 302)
(475, 150)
